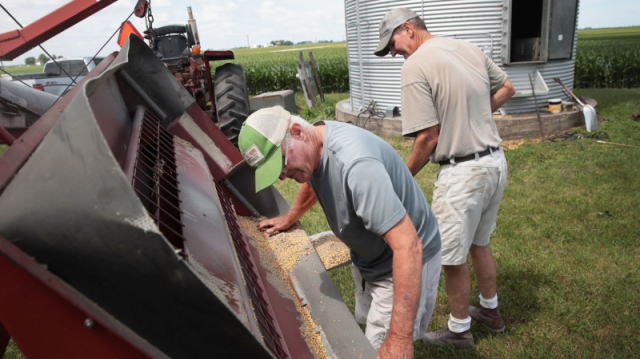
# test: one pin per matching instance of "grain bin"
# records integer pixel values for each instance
(536, 37)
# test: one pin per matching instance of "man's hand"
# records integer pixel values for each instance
(396, 347)
(305, 198)
(277, 224)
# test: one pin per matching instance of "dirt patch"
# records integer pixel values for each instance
(514, 144)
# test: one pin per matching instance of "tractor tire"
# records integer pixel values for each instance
(232, 101)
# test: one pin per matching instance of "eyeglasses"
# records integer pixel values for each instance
(285, 158)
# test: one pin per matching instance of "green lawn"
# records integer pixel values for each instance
(22, 69)
(566, 243)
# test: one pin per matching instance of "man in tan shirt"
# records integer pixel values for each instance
(449, 90)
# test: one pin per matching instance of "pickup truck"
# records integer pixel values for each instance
(53, 79)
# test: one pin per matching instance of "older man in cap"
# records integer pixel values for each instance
(449, 90)
(371, 202)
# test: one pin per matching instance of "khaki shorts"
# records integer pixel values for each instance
(466, 198)
(374, 302)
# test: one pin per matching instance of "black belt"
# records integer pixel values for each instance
(471, 156)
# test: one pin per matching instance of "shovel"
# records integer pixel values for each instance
(588, 112)
(535, 102)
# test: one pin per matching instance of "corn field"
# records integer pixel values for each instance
(608, 58)
(274, 68)
(604, 58)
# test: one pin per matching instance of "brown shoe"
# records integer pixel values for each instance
(490, 318)
(446, 337)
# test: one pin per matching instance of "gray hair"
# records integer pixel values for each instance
(418, 23)
(306, 126)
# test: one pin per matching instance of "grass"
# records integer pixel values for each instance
(566, 243)
(22, 69)
(12, 352)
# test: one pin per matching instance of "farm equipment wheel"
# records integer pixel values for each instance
(232, 102)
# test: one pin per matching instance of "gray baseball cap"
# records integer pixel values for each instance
(390, 22)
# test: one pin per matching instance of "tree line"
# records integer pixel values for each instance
(41, 59)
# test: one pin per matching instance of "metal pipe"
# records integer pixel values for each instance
(140, 92)
(194, 27)
(241, 198)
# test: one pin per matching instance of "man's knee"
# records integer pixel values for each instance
(481, 252)
(454, 269)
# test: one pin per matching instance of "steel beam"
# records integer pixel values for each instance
(16, 42)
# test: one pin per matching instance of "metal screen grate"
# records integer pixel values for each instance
(264, 313)
(155, 179)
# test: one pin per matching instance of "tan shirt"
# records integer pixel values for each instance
(449, 82)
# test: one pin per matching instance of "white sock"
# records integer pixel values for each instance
(491, 303)
(459, 325)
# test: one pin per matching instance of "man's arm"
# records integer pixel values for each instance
(501, 96)
(305, 199)
(407, 273)
(423, 146)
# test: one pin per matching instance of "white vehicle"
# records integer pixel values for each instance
(53, 78)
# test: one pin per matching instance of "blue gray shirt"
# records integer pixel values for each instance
(365, 189)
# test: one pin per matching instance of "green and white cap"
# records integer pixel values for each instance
(259, 142)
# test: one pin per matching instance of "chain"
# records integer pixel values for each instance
(149, 23)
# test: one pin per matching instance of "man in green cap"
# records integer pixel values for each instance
(372, 203)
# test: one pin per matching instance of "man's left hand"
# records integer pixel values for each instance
(396, 347)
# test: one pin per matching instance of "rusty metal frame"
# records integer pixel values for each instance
(16, 42)
(21, 149)
(46, 296)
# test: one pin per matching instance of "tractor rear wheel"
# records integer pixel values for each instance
(232, 101)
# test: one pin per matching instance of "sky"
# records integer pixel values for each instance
(225, 24)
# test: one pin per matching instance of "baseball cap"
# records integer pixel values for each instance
(390, 22)
(259, 141)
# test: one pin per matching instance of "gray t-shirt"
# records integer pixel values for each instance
(365, 189)
(449, 82)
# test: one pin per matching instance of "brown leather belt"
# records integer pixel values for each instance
(470, 157)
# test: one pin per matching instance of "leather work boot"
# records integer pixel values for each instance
(446, 337)
(490, 318)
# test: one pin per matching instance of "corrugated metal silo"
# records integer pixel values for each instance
(533, 37)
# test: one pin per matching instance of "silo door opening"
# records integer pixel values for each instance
(540, 30)
(528, 29)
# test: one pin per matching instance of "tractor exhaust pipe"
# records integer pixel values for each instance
(194, 30)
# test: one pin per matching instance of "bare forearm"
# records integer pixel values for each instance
(407, 263)
(305, 199)
(502, 95)
(419, 156)
(406, 289)
(423, 146)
